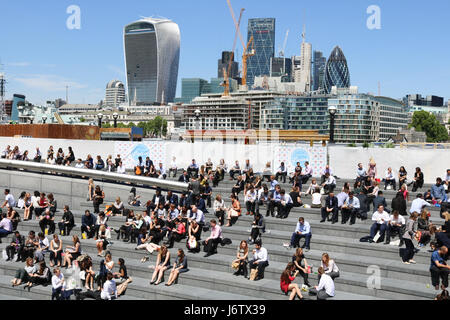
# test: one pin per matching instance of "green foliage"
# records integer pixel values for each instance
(82, 120)
(388, 145)
(365, 145)
(427, 122)
(151, 128)
(353, 145)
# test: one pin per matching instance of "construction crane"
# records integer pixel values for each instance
(284, 44)
(226, 74)
(246, 53)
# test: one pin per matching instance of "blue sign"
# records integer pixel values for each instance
(140, 150)
(299, 155)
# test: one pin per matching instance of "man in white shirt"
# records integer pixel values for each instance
(418, 204)
(236, 169)
(308, 172)
(381, 220)
(57, 284)
(395, 225)
(247, 166)
(286, 205)
(121, 168)
(324, 172)
(260, 259)
(109, 290)
(350, 209)
(282, 172)
(79, 164)
(197, 215)
(325, 289)
(250, 200)
(162, 171)
(302, 230)
(9, 200)
(330, 183)
(389, 179)
(173, 167)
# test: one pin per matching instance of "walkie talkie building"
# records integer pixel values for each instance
(152, 53)
(336, 71)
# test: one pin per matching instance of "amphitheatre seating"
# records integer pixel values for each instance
(212, 278)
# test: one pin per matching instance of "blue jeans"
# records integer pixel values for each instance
(4, 233)
(375, 227)
(295, 239)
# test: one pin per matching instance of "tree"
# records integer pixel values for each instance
(426, 122)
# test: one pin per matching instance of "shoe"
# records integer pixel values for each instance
(406, 262)
(307, 249)
(386, 242)
(323, 220)
(412, 261)
(152, 282)
(207, 255)
(371, 241)
(333, 222)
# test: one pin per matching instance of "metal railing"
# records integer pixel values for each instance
(36, 167)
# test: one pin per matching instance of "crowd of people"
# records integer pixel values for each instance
(166, 219)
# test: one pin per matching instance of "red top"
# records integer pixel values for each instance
(181, 229)
(284, 285)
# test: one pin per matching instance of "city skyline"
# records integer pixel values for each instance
(41, 56)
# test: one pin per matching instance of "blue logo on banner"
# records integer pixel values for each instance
(141, 150)
(299, 155)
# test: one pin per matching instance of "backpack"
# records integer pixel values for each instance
(226, 241)
(365, 239)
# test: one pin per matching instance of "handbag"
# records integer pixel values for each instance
(235, 265)
(253, 274)
(234, 213)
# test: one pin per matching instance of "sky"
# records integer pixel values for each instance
(40, 55)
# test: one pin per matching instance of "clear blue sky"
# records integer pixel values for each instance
(410, 54)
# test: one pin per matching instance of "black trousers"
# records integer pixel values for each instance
(250, 206)
(439, 274)
(326, 215)
(174, 237)
(409, 251)
(255, 233)
(282, 175)
(56, 258)
(90, 233)
(349, 214)
(285, 210)
(50, 223)
(260, 266)
(97, 206)
(190, 170)
(271, 207)
(392, 230)
(12, 250)
(211, 246)
(220, 214)
(64, 228)
(243, 268)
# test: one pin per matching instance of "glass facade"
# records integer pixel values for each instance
(263, 32)
(336, 71)
(297, 113)
(193, 87)
(319, 70)
(152, 51)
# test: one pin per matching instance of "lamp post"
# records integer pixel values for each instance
(115, 117)
(197, 113)
(31, 119)
(100, 117)
(44, 119)
(332, 111)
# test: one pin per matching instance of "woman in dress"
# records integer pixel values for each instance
(286, 285)
(180, 266)
(72, 252)
(234, 211)
(162, 264)
(242, 259)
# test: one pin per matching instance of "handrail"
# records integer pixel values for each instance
(92, 173)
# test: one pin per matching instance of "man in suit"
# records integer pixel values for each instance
(171, 199)
(363, 205)
(16, 246)
(157, 199)
(184, 177)
(380, 199)
(331, 206)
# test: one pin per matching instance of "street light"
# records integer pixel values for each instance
(100, 117)
(197, 113)
(44, 119)
(115, 116)
(332, 111)
(31, 119)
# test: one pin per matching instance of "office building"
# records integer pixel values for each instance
(336, 71)
(18, 103)
(152, 51)
(281, 67)
(224, 62)
(193, 87)
(418, 100)
(319, 62)
(263, 32)
(115, 94)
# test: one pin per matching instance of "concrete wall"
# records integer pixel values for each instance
(434, 163)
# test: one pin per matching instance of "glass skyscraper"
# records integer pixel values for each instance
(152, 52)
(319, 70)
(336, 71)
(263, 32)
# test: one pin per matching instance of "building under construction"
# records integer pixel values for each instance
(239, 111)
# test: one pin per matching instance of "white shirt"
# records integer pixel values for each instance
(121, 169)
(10, 199)
(330, 180)
(79, 165)
(308, 170)
(389, 176)
(287, 199)
(418, 204)
(109, 290)
(57, 282)
(326, 283)
(316, 198)
(162, 170)
(399, 219)
(250, 196)
(261, 254)
(332, 267)
(173, 164)
(380, 218)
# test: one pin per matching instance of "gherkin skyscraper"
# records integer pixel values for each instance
(336, 71)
